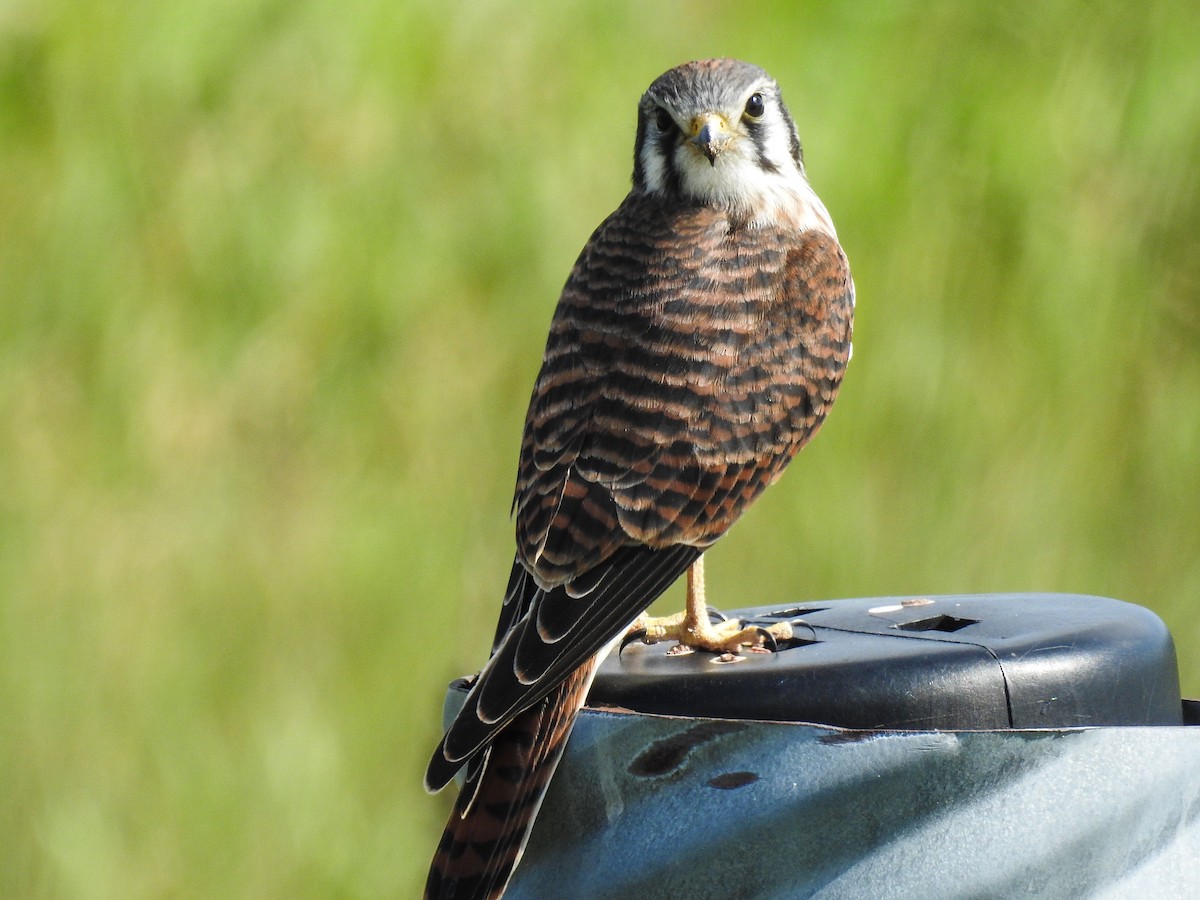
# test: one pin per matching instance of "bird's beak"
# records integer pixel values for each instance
(711, 134)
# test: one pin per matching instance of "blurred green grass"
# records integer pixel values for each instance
(275, 279)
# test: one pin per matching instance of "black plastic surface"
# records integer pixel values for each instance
(989, 661)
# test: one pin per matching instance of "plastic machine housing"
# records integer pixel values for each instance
(984, 745)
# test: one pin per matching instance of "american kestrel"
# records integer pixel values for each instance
(697, 345)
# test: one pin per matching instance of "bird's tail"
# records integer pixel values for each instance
(495, 809)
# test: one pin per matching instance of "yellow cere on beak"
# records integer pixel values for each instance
(711, 134)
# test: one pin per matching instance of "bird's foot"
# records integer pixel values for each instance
(720, 636)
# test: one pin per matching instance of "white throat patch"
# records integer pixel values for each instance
(738, 182)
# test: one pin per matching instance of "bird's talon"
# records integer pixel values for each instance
(768, 638)
(633, 635)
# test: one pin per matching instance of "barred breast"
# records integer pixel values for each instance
(689, 359)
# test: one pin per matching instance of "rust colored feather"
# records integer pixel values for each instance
(489, 826)
(675, 387)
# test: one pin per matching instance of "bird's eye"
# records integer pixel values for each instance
(755, 106)
(663, 120)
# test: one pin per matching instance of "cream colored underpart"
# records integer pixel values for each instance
(765, 198)
(737, 183)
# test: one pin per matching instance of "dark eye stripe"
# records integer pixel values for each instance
(661, 143)
(667, 142)
(757, 130)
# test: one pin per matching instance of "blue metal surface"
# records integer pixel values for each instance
(695, 806)
(650, 806)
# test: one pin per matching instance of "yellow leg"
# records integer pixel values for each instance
(692, 628)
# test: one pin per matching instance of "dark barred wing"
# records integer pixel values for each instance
(488, 829)
(688, 361)
(512, 733)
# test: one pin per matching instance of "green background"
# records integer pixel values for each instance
(274, 281)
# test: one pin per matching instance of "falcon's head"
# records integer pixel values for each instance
(717, 132)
